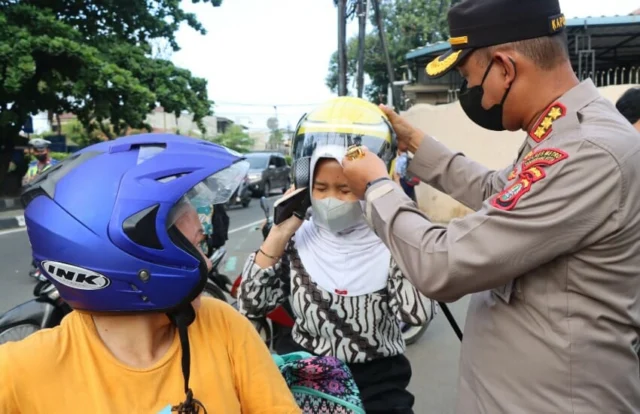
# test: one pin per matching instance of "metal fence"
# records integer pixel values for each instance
(613, 76)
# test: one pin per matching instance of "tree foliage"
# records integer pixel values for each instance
(235, 138)
(93, 58)
(408, 24)
(276, 137)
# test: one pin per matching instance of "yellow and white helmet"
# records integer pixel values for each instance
(343, 121)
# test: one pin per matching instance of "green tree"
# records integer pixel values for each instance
(408, 24)
(276, 137)
(235, 138)
(92, 58)
(75, 132)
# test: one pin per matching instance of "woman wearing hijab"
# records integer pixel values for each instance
(347, 294)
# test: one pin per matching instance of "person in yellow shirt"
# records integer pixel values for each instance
(126, 254)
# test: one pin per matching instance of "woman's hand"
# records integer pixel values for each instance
(273, 247)
(288, 228)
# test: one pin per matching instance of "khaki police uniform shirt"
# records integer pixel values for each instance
(551, 256)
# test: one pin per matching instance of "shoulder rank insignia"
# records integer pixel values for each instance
(532, 172)
(543, 128)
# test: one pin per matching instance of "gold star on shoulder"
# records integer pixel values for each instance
(555, 113)
(540, 131)
(546, 124)
(543, 128)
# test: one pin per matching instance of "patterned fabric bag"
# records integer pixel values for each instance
(320, 385)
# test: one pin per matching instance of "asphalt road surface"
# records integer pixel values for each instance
(434, 357)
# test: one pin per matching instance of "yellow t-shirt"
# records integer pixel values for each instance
(69, 370)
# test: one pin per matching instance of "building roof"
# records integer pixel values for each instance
(615, 39)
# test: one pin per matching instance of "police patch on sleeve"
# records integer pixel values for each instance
(508, 198)
(532, 171)
(545, 157)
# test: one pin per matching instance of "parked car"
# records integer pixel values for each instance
(267, 171)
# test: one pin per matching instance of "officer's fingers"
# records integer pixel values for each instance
(390, 113)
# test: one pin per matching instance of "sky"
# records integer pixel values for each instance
(258, 54)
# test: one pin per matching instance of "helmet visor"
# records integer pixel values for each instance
(192, 214)
(375, 137)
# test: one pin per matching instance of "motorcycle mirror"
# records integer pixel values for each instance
(264, 206)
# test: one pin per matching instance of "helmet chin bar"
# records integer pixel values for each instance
(301, 172)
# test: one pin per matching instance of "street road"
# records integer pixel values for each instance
(434, 358)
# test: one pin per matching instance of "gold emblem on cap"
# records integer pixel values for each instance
(438, 66)
(460, 40)
(558, 23)
(355, 152)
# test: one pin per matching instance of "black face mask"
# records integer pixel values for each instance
(41, 157)
(471, 101)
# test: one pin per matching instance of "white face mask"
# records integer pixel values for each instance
(336, 215)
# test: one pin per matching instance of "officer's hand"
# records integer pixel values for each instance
(409, 137)
(361, 171)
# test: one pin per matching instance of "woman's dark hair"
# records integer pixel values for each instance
(629, 105)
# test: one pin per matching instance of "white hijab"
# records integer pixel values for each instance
(351, 263)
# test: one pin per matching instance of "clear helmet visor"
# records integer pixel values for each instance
(192, 214)
(376, 138)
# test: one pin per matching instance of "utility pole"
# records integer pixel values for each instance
(342, 47)
(362, 27)
(385, 49)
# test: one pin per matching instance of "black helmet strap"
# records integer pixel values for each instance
(182, 318)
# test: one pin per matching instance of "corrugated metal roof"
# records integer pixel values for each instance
(604, 27)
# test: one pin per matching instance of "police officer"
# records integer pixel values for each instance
(552, 252)
(43, 160)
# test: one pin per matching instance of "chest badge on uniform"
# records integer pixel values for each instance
(532, 172)
(543, 128)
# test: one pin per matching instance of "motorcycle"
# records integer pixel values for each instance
(45, 311)
(47, 308)
(242, 196)
(219, 286)
(36, 273)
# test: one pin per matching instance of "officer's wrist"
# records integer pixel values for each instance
(376, 181)
(415, 140)
(378, 188)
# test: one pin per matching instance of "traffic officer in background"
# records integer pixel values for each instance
(42, 162)
(552, 251)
